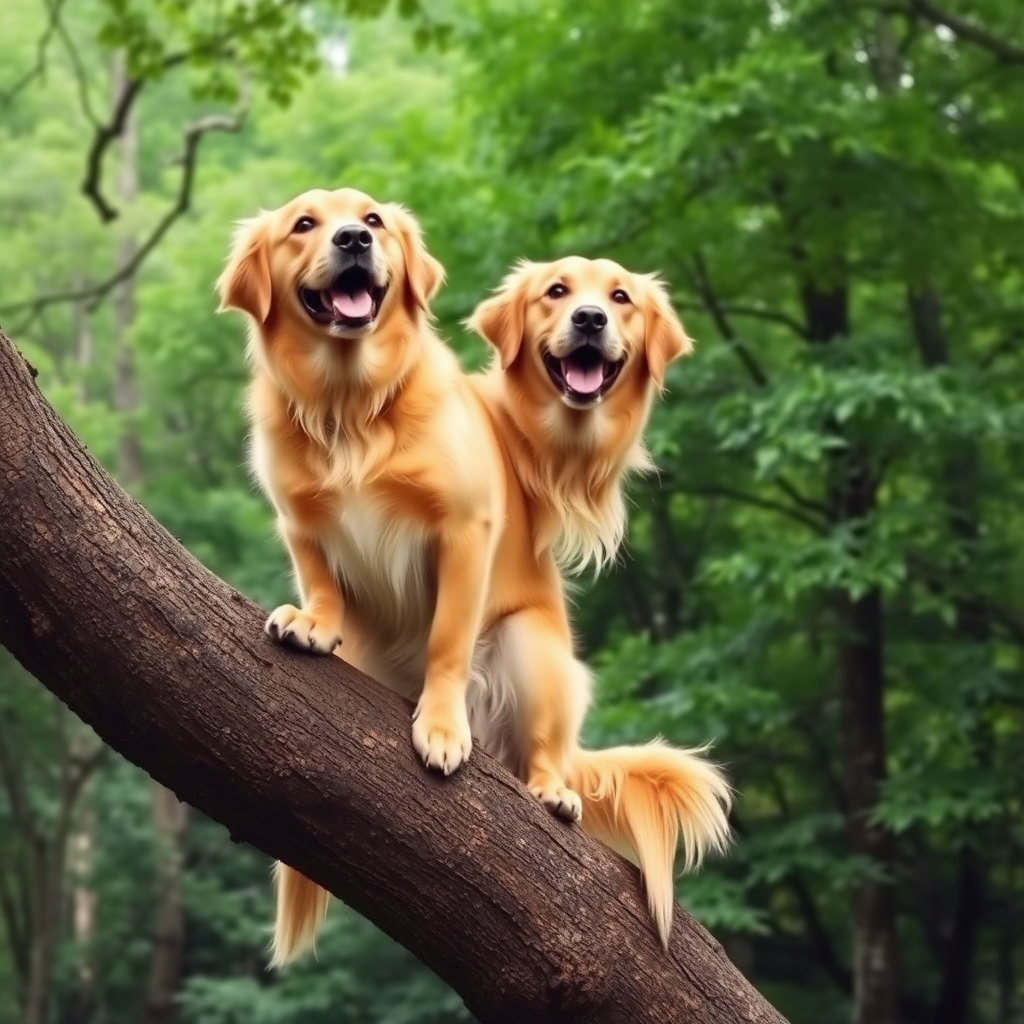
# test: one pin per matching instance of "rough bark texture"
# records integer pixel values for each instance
(311, 762)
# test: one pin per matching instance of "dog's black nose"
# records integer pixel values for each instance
(589, 319)
(353, 238)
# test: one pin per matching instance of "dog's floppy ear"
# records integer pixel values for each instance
(424, 275)
(501, 319)
(665, 338)
(245, 282)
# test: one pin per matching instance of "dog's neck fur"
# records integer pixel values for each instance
(342, 410)
(563, 469)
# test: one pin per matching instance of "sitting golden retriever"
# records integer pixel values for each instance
(421, 506)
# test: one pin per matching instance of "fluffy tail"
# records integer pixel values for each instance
(301, 907)
(641, 800)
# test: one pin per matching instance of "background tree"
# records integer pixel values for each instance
(825, 577)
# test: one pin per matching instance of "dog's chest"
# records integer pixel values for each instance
(381, 559)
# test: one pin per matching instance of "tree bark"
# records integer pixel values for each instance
(310, 761)
(852, 495)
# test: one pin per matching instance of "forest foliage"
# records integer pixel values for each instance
(825, 577)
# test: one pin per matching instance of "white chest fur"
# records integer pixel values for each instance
(378, 554)
(385, 566)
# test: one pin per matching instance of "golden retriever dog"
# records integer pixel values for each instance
(582, 347)
(419, 551)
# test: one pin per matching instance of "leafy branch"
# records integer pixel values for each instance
(720, 314)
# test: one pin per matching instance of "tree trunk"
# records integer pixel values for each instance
(861, 696)
(168, 812)
(126, 399)
(963, 513)
(83, 346)
(170, 817)
(852, 494)
(84, 908)
(35, 1009)
(32, 878)
(308, 760)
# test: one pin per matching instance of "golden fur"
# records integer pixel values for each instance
(421, 507)
(572, 462)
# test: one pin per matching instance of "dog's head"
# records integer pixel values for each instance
(330, 268)
(584, 333)
(582, 345)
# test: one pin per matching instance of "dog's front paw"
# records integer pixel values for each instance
(563, 802)
(292, 626)
(441, 736)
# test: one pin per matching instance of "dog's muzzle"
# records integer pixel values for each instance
(354, 296)
(586, 366)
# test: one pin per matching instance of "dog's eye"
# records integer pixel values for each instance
(302, 225)
(620, 297)
(557, 291)
(372, 220)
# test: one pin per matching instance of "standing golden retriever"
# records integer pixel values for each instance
(421, 540)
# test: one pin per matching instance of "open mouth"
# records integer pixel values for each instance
(584, 375)
(352, 300)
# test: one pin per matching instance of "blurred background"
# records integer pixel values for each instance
(827, 576)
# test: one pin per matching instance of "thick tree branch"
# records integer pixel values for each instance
(311, 762)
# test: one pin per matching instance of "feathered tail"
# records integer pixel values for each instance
(642, 800)
(301, 908)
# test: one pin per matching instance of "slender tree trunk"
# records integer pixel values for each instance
(49, 872)
(1006, 962)
(83, 346)
(959, 473)
(169, 815)
(862, 694)
(126, 398)
(84, 909)
(860, 652)
(84, 899)
(42, 939)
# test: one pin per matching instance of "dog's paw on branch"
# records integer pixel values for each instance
(527, 918)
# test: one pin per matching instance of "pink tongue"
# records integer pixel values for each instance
(584, 380)
(353, 307)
